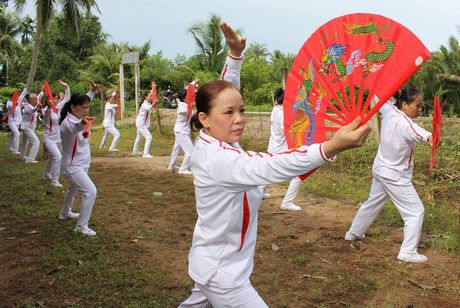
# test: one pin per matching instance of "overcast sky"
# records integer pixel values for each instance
(279, 24)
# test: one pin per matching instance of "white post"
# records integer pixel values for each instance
(122, 91)
(137, 82)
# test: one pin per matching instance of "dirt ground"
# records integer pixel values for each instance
(301, 257)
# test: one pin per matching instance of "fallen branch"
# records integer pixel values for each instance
(312, 276)
(422, 286)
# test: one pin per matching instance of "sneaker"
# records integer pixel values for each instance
(15, 152)
(85, 230)
(184, 171)
(56, 184)
(137, 153)
(351, 237)
(147, 156)
(412, 257)
(113, 150)
(290, 207)
(31, 161)
(70, 215)
(266, 196)
(173, 168)
(21, 157)
(47, 176)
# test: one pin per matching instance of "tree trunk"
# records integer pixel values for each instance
(38, 30)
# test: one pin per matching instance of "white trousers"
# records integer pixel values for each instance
(14, 138)
(204, 296)
(181, 141)
(406, 200)
(29, 137)
(292, 191)
(116, 136)
(80, 182)
(53, 164)
(142, 132)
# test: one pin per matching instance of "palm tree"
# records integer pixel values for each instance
(27, 29)
(210, 42)
(9, 28)
(281, 65)
(258, 51)
(71, 9)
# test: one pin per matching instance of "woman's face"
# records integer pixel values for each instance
(414, 109)
(226, 118)
(80, 111)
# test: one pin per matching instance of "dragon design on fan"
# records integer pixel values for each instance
(307, 104)
(332, 57)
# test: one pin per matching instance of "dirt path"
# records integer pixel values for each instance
(304, 251)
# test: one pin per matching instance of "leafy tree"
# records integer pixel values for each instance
(27, 29)
(9, 28)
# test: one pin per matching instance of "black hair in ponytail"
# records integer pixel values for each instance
(76, 99)
(407, 95)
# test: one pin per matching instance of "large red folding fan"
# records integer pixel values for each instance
(347, 68)
(436, 130)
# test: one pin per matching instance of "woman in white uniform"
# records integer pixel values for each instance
(109, 124)
(277, 144)
(143, 124)
(182, 136)
(28, 125)
(228, 188)
(76, 159)
(52, 136)
(14, 122)
(392, 174)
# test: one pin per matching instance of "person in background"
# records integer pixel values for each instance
(109, 123)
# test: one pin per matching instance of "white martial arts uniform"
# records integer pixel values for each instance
(76, 159)
(277, 144)
(28, 125)
(109, 126)
(182, 138)
(228, 188)
(52, 138)
(392, 177)
(14, 121)
(142, 125)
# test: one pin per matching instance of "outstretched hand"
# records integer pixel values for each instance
(93, 86)
(236, 43)
(62, 83)
(349, 136)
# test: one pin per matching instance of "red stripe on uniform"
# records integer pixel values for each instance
(224, 72)
(409, 121)
(146, 117)
(293, 151)
(51, 124)
(246, 218)
(410, 157)
(321, 152)
(74, 147)
(207, 141)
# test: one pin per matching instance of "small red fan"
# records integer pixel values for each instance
(49, 95)
(87, 129)
(14, 102)
(190, 99)
(348, 65)
(436, 130)
(117, 100)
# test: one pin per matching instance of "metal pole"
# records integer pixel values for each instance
(137, 84)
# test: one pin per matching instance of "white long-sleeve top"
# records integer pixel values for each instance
(277, 142)
(109, 115)
(16, 118)
(76, 151)
(143, 117)
(182, 125)
(51, 119)
(228, 196)
(29, 116)
(398, 136)
(231, 70)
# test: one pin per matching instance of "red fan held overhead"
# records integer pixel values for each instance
(190, 98)
(349, 67)
(117, 100)
(14, 102)
(49, 95)
(436, 132)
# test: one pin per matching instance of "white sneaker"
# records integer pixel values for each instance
(84, 230)
(15, 152)
(412, 257)
(21, 157)
(70, 215)
(351, 237)
(290, 207)
(147, 156)
(266, 195)
(56, 184)
(173, 168)
(113, 150)
(47, 176)
(31, 161)
(184, 171)
(137, 153)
